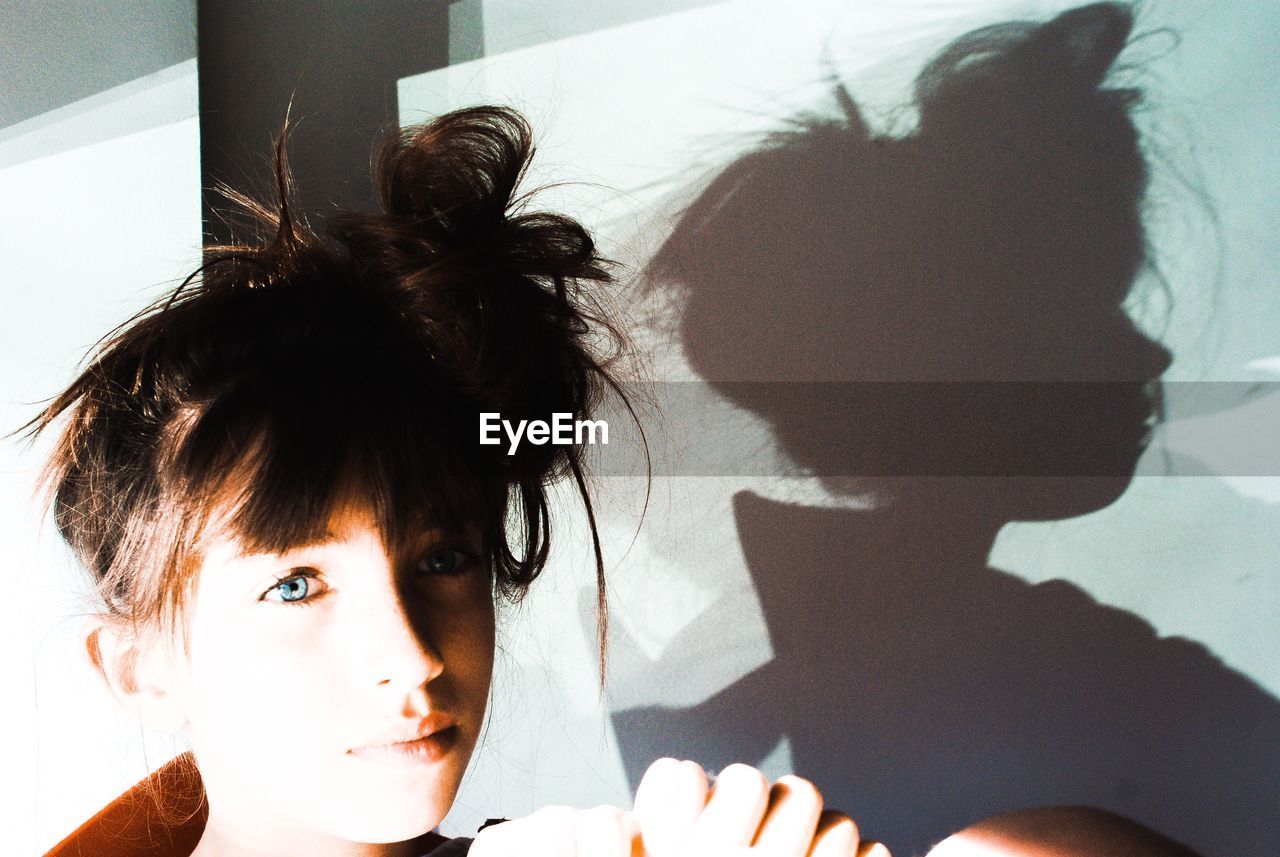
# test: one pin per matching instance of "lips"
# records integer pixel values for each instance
(420, 751)
(415, 742)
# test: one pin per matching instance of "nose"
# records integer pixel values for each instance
(397, 652)
(405, 658)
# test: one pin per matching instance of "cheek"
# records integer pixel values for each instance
(288, 690)
(270, 721)
(464, 639)
(261, 697)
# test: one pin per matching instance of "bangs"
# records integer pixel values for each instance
(277, 452)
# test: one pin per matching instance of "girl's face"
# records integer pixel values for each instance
(312, 676)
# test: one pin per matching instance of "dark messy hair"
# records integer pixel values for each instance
(301, 365)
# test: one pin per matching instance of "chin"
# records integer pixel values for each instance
(1079, 481)
(373, 821)
(400, 805)
(381, 804)
(385, 831)
(1056, 498)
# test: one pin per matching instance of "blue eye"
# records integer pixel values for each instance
(448, 562)
(297, 588)
(293, 588)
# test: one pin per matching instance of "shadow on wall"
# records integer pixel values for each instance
(921, 689)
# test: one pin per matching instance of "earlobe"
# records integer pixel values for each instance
(136, 677)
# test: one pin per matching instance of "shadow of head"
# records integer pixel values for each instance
(959, 290)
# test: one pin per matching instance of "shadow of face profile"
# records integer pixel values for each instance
(949, 302)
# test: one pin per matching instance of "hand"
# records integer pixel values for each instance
(681, 816)
(678, 814)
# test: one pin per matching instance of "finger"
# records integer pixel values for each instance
(607, 831)
(791, 818)
(873, 849)
(669, 800)
(836, 836)
(733, 812)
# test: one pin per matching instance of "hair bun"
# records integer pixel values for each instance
(1033, 66)
(498, 294)
(451, 185)
(454, 177)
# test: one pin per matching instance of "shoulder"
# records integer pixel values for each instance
(161, 816)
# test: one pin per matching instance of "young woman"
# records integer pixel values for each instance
(276, 479)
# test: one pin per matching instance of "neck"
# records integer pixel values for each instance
(956, 517)
(930, 522)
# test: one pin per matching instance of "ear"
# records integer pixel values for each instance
(139, 675)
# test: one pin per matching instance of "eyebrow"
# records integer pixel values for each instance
(245, 552)
(422, 533)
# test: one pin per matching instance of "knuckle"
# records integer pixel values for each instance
(745, 778)
(691, 766)
(689, 772)
(837, 823)
(800, 788)
(660, 773)
(662, 765)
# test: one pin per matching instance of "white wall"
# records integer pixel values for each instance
(640, 112)
(88, 234)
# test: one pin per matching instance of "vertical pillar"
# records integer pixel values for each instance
(335, 61)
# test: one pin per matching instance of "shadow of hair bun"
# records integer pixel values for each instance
(1035, 66)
